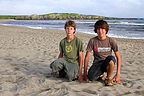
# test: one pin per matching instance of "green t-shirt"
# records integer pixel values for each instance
(71, 49)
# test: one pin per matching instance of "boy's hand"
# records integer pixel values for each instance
(117, 78)
(86, 78)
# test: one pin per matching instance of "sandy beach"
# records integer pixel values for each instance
(25, 56)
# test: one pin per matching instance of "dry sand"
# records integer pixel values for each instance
(25, 55)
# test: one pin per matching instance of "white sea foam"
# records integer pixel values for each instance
(88, 33)
(127, 23)
(85, 22)
(24, 26)
(7, 24)
(35, 27)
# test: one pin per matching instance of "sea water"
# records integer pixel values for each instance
(133, 29)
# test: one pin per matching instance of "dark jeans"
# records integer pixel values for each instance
(98, 68)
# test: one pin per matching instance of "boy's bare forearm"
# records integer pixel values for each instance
(85, 67)
(80, 65)
(80, 60)
(118, 62)
(86, 62)
(118, 66)
(60, 55)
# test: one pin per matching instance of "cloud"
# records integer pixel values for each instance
(113, 8)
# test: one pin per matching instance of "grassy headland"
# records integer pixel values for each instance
(58, 16)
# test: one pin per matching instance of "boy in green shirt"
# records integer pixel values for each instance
(70, 58)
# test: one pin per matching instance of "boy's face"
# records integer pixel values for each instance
(70, 31)
(101, 32)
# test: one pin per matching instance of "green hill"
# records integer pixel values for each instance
(53, 16)
(58, 16)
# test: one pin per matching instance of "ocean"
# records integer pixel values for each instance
(131, 29)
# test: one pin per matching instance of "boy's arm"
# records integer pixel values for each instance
(60, 55)
(80, 65)
(86, 65)
(117, 76)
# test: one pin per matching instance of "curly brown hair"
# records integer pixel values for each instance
(70, 24)
(101, 24)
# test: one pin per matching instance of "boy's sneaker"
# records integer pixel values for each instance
(108, 81)
(101, 77)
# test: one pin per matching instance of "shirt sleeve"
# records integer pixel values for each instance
(114, 45)
(60, 47)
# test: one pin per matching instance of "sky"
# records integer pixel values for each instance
(108, 8)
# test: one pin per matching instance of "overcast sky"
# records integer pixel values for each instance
(109, 8)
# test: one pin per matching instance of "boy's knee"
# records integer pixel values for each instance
(70, 77)
(56, 65)
(111, 59)
(52, 64)
(111, 63)
(57, 62)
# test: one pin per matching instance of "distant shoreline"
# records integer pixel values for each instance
(63, 16)
(7, 19)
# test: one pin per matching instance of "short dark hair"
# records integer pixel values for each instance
(101, 24)
(70, 23)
